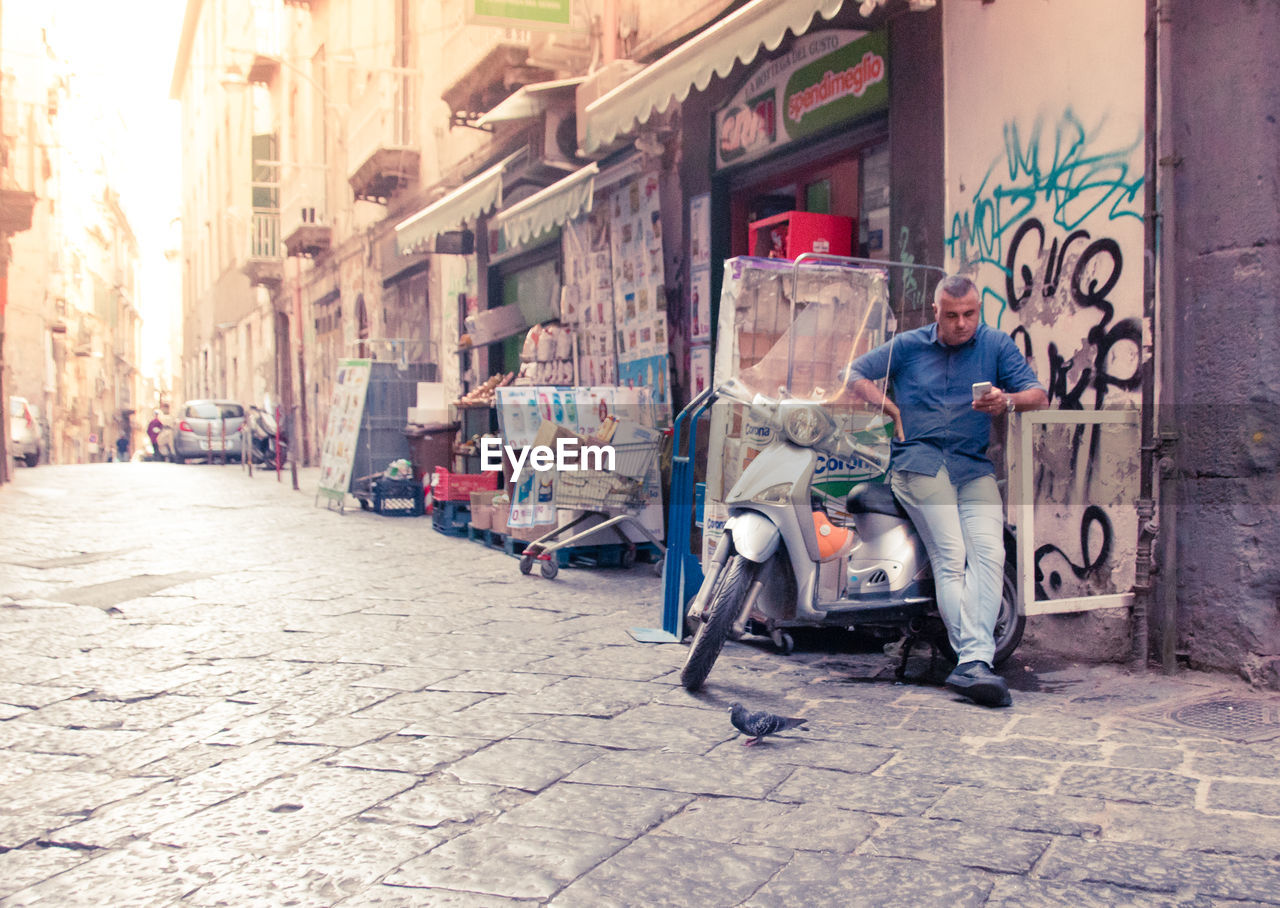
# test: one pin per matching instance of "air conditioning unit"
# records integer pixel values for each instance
(558, 137)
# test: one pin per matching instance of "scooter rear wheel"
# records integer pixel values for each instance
(726, 603)
(1009, 624)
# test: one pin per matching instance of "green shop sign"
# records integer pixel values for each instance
(827, 78)
(523, 13)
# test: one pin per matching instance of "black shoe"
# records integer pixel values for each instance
(980, 684)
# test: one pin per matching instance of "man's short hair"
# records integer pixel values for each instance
(956, 286)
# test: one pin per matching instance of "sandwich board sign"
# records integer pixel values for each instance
(342, 431)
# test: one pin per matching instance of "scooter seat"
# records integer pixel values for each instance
(874, 498)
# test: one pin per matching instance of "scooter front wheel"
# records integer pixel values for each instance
(726, 604)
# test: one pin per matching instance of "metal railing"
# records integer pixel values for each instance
(264, 235)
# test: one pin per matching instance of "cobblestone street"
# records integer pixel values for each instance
(213, 692)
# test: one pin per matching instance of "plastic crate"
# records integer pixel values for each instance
(459, 486)
(398, 497)
(451, 518)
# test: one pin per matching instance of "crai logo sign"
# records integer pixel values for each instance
(843, 85)
(523, 13)
(827, 78)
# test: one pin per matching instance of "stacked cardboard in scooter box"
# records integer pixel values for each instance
(755, 312)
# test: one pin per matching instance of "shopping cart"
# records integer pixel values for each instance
(617, 495)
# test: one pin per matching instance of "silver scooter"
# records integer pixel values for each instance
(796, 554)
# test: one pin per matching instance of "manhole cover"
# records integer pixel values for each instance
(1233, 718)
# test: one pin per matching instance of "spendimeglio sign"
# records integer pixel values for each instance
(827, 78)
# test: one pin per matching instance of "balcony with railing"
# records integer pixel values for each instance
(264, 261)
(17, 200)
(266, 31)
(384, 148)
(482, 65)
(304, 218)
(264, 257)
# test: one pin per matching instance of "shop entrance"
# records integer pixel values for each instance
(851, 182)
(533, 285)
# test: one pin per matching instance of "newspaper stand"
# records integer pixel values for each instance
(616, 495)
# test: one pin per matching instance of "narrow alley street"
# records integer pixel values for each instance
(214, 692)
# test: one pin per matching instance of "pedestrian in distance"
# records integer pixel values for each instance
(154, 428)
(947, 381)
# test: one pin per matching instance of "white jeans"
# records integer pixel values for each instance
(963, 531)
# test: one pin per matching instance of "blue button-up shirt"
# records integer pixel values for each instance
(932, 385)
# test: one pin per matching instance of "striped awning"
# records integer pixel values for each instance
(477, 196)
(560, 202)
(530, 101)
(739, 36)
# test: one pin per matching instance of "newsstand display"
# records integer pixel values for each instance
(592, 372)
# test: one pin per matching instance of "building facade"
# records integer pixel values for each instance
(72, 323)
(390, 180)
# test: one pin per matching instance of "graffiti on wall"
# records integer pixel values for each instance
(1060, 174)
(1051, 233)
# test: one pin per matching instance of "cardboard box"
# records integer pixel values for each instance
(495, 324)
(482, 508)
(432, 405)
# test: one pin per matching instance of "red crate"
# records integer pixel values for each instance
(787, 235)
(459, 486)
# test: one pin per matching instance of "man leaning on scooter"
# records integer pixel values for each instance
(948, 379)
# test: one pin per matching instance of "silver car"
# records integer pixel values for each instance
(205, 427)
(24, 432)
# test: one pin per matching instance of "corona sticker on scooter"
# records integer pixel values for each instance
(835, 476)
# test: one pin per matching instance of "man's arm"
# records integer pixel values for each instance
(1014, 372)
(862, 374)
(871, 393)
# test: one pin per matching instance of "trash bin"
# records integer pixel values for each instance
(430, 446)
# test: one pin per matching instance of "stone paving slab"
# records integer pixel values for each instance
(650, 870)
(799, 827)
(1162, 870)
(875, 882)
(533, 865)
(350, 710)
(1051, 813)
(958, 843)
(603, 809)
(874, 794)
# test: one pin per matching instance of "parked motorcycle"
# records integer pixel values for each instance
(799, 549)
(268, 445)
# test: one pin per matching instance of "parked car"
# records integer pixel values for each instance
(24, 432)
(205, 426)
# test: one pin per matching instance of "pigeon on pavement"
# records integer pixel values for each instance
(757, 725)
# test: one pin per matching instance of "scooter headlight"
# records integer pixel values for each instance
(775, 494)
(806, 424)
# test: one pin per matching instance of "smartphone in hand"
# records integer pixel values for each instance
(981, 389)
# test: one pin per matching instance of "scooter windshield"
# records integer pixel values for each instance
(840, 313)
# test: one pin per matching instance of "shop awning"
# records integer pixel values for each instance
(761, 23)
(530, 101)
(473, 198)
(560, 202)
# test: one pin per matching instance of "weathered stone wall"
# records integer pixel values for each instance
(1226, 389)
